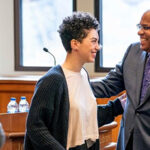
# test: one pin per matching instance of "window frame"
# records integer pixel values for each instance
(18, 39)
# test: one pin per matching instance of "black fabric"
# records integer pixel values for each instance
(95, 146)
(130, 143)
(107, 113)
(47, 122)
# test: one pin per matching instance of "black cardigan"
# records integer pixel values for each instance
(47, 122)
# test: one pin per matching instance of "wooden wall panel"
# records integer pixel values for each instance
(15, 88)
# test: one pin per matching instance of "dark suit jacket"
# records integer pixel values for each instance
(128, 75)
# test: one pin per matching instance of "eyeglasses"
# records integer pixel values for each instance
(139, 26)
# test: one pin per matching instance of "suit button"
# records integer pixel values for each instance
(137, 113)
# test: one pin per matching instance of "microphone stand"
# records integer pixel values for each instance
(46, 50)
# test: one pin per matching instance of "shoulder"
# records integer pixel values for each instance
(55, 72)
(134, 50)
(134, 46)
(54, 77)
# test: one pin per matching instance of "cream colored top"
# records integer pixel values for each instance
(83, 109)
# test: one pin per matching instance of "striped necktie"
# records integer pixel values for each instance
(146, 78)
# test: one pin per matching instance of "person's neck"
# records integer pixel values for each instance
(72, 63)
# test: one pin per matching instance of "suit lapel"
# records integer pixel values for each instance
(140, 71)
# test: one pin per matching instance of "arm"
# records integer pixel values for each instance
(107, 113)
(41, 115)
(113, 83)
(2, 136)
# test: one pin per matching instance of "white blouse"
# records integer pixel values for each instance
(83, 109)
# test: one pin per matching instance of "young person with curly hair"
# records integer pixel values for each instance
(64, 113)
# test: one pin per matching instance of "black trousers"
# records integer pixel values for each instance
(95, 146)
(130, 143)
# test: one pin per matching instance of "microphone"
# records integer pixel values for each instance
(46, 50)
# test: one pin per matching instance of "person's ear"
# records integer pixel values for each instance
(74, 44)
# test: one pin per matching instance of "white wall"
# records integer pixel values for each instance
(7, 38)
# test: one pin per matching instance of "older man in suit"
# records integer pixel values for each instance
(132, 75)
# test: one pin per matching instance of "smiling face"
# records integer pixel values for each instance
(89, 46)
(145, 33)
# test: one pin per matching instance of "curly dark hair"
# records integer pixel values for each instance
(75, 27)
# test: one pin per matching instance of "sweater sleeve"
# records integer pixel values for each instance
(41, 115)
(107, 113)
